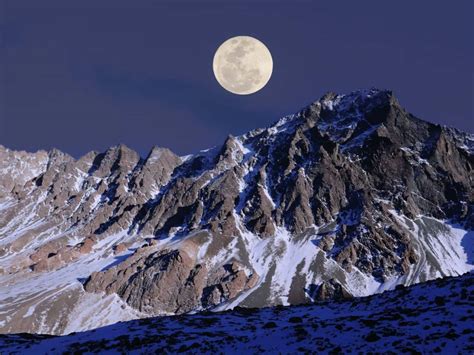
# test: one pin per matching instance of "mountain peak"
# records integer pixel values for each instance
(335, 114)
(359, 100)
(343, 117)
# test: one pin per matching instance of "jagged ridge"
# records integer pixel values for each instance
(350, 196)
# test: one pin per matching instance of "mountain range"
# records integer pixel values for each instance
(349, 197)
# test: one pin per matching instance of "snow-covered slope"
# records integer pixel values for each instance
(348, 197)
(433, 317)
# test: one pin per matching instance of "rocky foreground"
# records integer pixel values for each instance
(349, 197)
(434, 317)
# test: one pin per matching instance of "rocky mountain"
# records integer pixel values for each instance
(433, 317)
(349, 197)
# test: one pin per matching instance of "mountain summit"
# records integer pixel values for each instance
(349, 197)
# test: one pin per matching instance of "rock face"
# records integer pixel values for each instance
(157, 281)
(348, 197)
(331, 290)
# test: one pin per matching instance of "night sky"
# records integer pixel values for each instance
(86, 75)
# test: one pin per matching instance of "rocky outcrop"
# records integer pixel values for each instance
(56, 254)
(158, 281)
(331, 290)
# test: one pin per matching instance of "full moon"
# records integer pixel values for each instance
(242, 65)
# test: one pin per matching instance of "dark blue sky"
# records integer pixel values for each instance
(85, 75)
